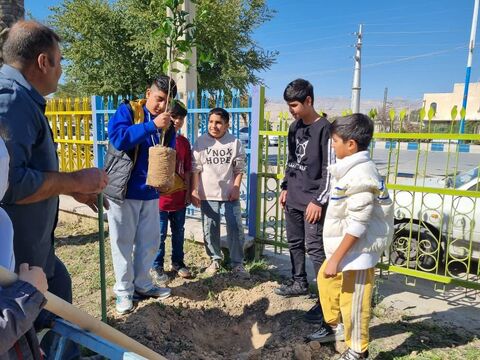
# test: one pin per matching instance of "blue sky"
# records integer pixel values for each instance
(411, 47)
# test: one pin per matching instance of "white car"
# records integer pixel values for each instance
(440, 226)
(244, 136)
(273, 140)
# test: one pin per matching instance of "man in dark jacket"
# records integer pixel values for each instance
(22, 301)
(31, 71)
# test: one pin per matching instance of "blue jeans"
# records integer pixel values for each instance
(211, 229)
(177, 227)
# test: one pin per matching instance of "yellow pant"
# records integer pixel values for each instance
(347, 296)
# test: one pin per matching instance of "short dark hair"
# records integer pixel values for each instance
(26, 40)
(163, 82)
(220, 112)
(358, 127)
(178, 109)
(298, 90)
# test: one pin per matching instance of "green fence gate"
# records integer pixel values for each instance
(434, 180)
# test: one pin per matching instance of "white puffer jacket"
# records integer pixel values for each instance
(360, 206)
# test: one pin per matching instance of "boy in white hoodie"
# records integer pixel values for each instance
(358, 228)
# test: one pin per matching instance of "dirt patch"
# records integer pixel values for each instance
(220, 318)
(225, 317)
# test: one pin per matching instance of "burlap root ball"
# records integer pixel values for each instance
(161, 167)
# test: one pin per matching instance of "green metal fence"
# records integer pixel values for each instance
(434, 180)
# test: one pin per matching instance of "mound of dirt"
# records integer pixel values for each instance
(224, 317)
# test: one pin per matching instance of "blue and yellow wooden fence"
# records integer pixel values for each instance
(71, 123)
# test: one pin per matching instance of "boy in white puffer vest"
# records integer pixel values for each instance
(358, 228)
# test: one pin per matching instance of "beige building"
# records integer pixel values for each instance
(444, 102)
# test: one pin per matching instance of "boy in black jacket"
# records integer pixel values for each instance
(305, 189)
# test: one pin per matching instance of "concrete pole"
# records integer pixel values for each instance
(356, 73)
(187, 80)
(471, 47)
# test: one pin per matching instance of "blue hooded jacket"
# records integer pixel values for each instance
(124, 136)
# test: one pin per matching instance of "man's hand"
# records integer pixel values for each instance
(313, 213)
(234, 194)
(283, 198)
(33, 275)
(331, 270)
(163, 120)
(91, 201)
(195, 198)
(90, 181)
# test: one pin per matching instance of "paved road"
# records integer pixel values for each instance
(436, 161)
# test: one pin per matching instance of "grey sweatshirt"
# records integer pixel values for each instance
(218, 161)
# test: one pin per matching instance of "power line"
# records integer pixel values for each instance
(307, 41)
(410, 32)
(408, 58)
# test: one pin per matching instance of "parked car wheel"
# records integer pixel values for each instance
(423, 248)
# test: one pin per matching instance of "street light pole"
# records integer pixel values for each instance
(471, 47)
(355, 105)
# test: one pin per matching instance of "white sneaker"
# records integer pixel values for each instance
(124, 304)
(328, 334)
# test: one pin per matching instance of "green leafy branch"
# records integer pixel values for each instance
(178, 36)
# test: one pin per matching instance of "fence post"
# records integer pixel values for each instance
(258, 100)
(99, 137)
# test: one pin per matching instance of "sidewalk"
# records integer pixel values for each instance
(456, 306)
(193, 226)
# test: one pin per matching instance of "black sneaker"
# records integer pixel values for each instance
(314, 315)
(353, 355)
(293, 288)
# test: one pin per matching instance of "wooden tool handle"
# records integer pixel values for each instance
(85, 321)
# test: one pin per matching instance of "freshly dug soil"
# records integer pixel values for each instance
(224, 317)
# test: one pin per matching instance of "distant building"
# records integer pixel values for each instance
(444, 102)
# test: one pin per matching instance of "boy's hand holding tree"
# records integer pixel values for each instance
(163, 120)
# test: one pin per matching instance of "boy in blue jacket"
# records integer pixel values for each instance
(133, 215)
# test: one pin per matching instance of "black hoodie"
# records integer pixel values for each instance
(309, 153)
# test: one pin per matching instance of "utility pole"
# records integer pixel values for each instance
(384, 109)
(471, 47)
(356, 73)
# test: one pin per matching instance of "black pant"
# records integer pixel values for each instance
(304, 238)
